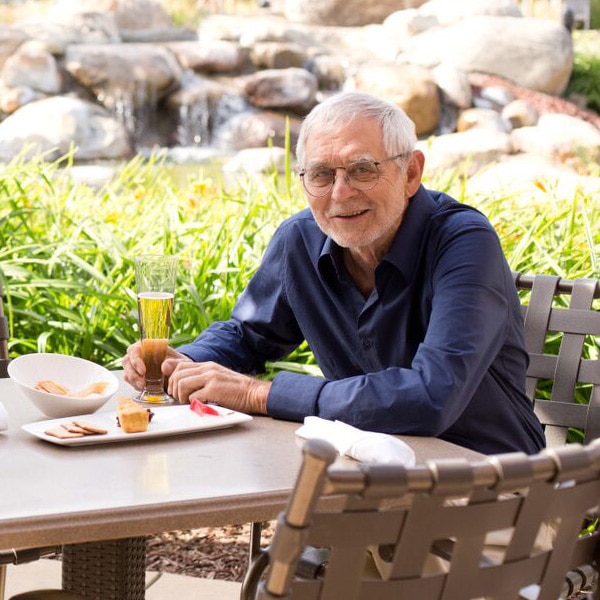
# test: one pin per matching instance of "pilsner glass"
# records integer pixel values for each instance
(155, 283)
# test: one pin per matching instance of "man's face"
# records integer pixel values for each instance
(361, 219)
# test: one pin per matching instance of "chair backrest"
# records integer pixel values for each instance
(4, 360)
(411, 511)
(562, 324)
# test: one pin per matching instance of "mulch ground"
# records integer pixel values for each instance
(211, 553)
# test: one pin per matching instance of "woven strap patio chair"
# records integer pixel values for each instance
(413, 511)
(562, 380)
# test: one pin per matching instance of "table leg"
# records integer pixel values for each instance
(109, 570)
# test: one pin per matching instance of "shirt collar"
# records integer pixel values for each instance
(406, 245)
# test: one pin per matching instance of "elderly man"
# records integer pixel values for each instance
(403, 294)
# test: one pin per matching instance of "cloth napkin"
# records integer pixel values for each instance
(364, 446)
(3, 418)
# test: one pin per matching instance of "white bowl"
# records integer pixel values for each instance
(69, 371)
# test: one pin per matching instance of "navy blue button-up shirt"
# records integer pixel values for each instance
(437, 348)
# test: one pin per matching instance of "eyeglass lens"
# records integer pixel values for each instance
(361, 175)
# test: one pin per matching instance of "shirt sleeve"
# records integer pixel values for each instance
(468, 326)
(261, 328)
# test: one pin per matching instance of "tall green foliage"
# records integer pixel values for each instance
(67, 249)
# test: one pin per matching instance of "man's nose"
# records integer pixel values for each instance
(341, 184)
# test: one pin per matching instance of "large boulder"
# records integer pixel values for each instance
(448, 12)
(292, 89)
(344, 12)
(55, 125)
(10, 40)
(34, 67)
(411, 87)
(476, 148)
(560, 138)
(61, 30)
(137, 74)
(212, 56)
(533, 53)
(128, 14)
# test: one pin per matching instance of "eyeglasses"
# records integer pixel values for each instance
(361, 175)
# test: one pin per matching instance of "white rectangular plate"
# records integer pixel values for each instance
(167, 420)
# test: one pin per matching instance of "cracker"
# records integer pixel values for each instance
(73, 428)
(51, 387)
(93, 389)
(62, 433)
(90, 429)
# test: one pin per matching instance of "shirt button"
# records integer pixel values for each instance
(367, 343)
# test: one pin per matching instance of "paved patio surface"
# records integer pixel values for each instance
(46, 573)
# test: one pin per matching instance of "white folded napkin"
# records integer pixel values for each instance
(3, 418)
(364, 446)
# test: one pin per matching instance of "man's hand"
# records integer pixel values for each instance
(134, 369)
(210, 381)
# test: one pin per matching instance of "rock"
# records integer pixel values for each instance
(508, 47)
(480, 146)
(560, 138)
(13, 98)
(409, 86)
(55, 125)
(33, 67)
(134, 73)
(278, 55)
(256, 129)
(529, 173)
(344, 12)
(409, 22)
(294, 89)
(520, 113)
(94, 176)
(256, 161)
(495, 97)
(449, 12)
(471, 69)
(455, 84)
(215, 56)
(62, 29)
(128, 14)
(331, 71)
(10, 39)
(482, 117)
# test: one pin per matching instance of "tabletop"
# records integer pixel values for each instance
(65, 495)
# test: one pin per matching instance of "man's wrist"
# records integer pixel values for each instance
(259, 395)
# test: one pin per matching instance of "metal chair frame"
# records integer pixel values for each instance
(547, 315)
(411, 510)
(568, 369)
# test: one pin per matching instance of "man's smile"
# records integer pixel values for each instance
(350, 215)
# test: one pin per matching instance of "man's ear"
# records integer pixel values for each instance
(414, 172)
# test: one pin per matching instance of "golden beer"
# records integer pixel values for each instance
(155, 310)
(155, 277)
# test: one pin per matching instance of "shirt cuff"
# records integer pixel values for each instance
(294, 396)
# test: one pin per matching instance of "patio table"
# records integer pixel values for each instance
(117, 494)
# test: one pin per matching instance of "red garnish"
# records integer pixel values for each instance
(203, 409)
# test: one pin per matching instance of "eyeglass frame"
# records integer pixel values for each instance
(334, 170)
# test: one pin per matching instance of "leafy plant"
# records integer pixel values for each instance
(585, 79)
(67, 249)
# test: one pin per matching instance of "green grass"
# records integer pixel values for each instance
(67, 250)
